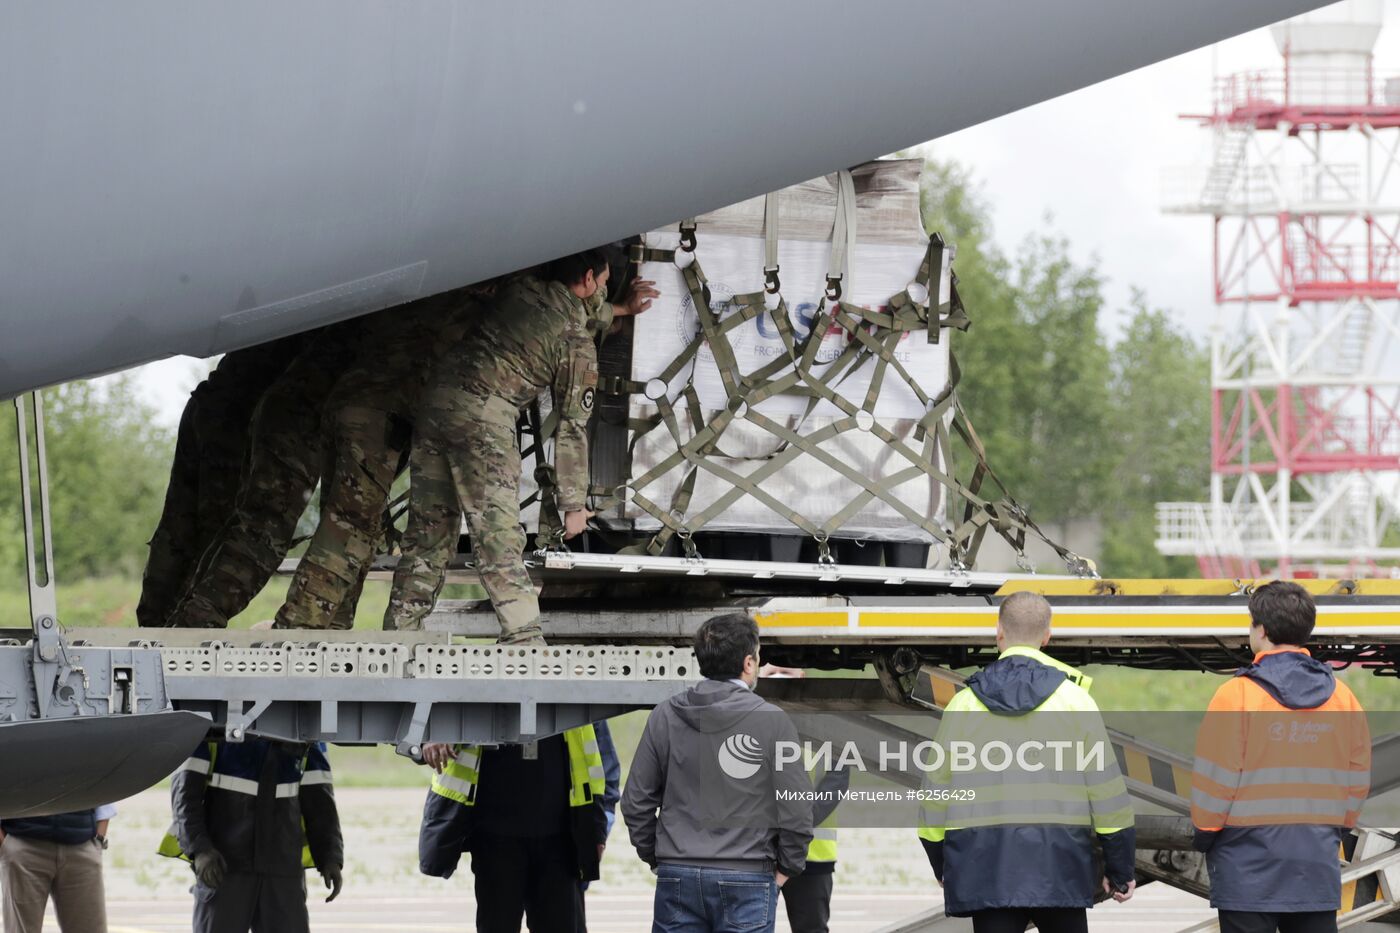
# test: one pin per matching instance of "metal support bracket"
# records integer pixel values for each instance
(38, 549)
(38, 541)
(242, 720)
(411, 745)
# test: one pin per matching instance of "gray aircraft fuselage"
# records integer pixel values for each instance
(193, 178)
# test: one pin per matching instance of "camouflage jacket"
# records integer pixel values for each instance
(397, 349)
(536, 335)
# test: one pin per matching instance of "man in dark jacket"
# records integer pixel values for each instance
(1015, 845)
(706, 803)
(253, 816)
(56, 858)
(532, 818)
(1283, 765)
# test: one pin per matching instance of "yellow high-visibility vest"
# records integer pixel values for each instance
(459, 780)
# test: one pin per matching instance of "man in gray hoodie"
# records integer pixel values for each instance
(707, 805)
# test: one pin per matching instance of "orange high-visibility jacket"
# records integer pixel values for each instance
(1283, 765)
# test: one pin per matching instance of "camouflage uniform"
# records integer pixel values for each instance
(430, 538)
(287, 456)
(369, 413)
(210, 450)
(535, 335)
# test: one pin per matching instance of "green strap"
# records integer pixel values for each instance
(932, 273)
(551, 527)
(770, 244)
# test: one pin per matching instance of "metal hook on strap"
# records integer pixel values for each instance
(1081, 567)
(770, 244)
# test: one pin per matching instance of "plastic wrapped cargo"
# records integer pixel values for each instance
(788, 457)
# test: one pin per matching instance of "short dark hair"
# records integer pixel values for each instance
(1286, 611)
(722, 644)
(571, 270)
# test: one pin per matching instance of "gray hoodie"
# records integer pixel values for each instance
(704, 789)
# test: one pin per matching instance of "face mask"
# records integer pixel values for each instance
(594, 302)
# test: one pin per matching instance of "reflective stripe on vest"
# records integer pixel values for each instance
(459, 780)
(170, 844)
(1096, 799)
(1260, 763)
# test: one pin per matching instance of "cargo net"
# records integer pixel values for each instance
(827, 426)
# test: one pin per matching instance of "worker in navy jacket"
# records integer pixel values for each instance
(252, 816)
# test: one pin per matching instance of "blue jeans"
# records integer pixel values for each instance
(712, 900)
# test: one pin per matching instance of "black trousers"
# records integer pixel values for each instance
(531, 879)
(259, 903)
(808, 902)
(1016, 919)
(1245, 921)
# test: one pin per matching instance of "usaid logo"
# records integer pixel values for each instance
(722, 305)
(740, 756)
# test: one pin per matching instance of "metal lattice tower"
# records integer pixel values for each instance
(1304, 193)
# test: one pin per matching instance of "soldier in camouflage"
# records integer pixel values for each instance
(370, 413)
(210, 450)
(286, 458)
(536, 335)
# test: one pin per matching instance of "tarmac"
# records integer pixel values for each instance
(882, 877)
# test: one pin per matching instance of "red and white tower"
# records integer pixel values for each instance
(1304, 193)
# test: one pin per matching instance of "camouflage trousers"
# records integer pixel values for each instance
(429, 539)
(369, 445)
(211, 453)
(200, 492)
(287, 456)
(468, 456)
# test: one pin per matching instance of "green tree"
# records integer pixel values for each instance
(990, 390)
(1161, 428)
(108, 463)
(1070, 452)
(1034, 365)
(1076, 429)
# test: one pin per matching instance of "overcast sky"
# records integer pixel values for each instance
(1087, 165)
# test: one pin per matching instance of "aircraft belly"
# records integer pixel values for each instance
(189, 179)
